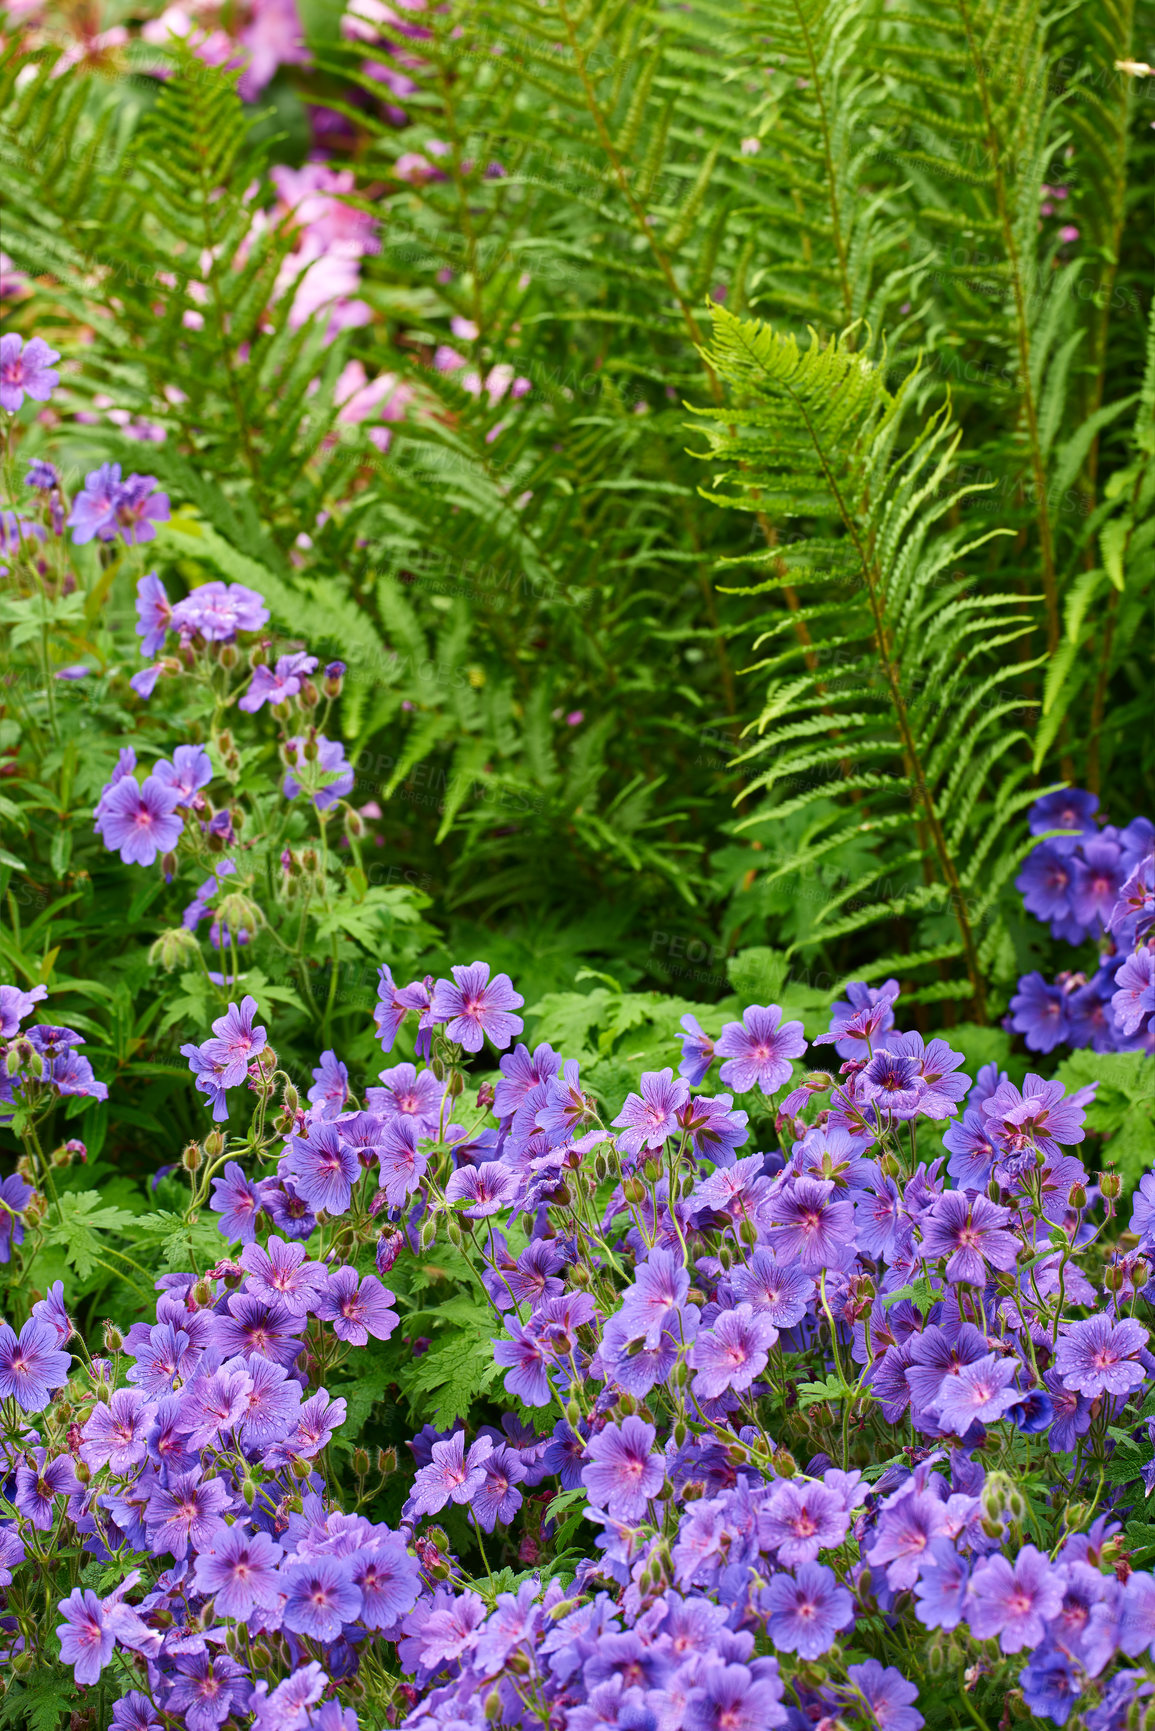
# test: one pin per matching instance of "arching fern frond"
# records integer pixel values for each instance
(901, 711)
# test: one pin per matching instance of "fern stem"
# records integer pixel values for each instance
(828, 160)
(1022, 333)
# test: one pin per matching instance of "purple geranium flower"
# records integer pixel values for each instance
(402, 1162)
(26, 370)
(332, 761)
(324, 1167)
(237, 1199)
(357, 1308)
(277, 685)
(801, 1518)
(1045, 884)
(969, 1231)
(330, 1088)
(1039, 1011)
(487, 1188)
(526, 1362)
(941, 1588)
(804, 1612)
(236, 1044)
(887, 1694)
(980, 1391)
(94, 508)
(86, 1640)
(153, 613)
(856, 1022)
(38, 1486)
(139, 508)
(407, 1092)
(498, 1499)
(31, 1364)
(732, 1353)
(474, 1006)
(280, 1271)
(1134, 997)
(697, 1051)
(623, 1471)
(190, 770)
(140, 822)
(186, 1512)
(452, 1476)
(218, 611)
(894, 1084)
(649, 1119)
(759, 1049)
(746, 1697)
(1101, 1356)
(813, 1226)
(16, 1006)
(240, 1571)
(1067, 808)
(1099, 876)
(115, 1433)
(1014, 1601)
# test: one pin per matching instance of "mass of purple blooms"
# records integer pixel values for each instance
(1090, 883)
(804, 1413)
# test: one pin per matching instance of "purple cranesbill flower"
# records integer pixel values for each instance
(207, 1073)
(280, 1271)
(628, 1359)
(660, 1289)
(218, 611)
(1045, 885)
(935, 1354)
(1039, 1011)
(16, 1006)
(205, 1688)
(256, 1325)
(487, 1189)
(26, 369)
(114, 1433)
(139, 508)
(980, 1392)
(357, 1308)
(473, 1006)
(907, 1527)
(812, 1226)
(858, 1020)
(451, 1631)
(330, 1088)
(697, 1051)
(237, 1199)
(1098, 877)
(324, 1168)
(1134, 997)
(784, 1293)
(272, 1404)
(15, 1196)
(71, 1074)
(1137, 1621)
(801, 1518)
(649, 1119)
(165, 1359)
(320, 1417)
(31, 1364)
(186, 1512)
(758, 1050)
(938, 1066)
(972, 1150)
(732, 1353)
(86, 1640)
(887, 1694)
(40, 1483)
(277, 685)
(498, 1499)
(94, 507)
(1051, 1682)
(138, 822)
(452, 1476)
(941, 1588)
(746, 1697)
(134, 1712)
(153, 614)
(331, 760)
(402, 1163)
(190, 770)
(804, 1612)
(970, 1232)
(236, 1042)
(1067, 808)
(239, 1572)
(714, 1129)
(212, 1406)
(1071, 1414)
(519, 1073)
(893, 1084)
(1040, 1117)
(526, 1360)
(1014, 1601)
(144, 682)
(43, 477)
(1101, 1356)
(565, 1111)
(624, 1472)
(387, 1578)
(393, 1005)
(407, 1092)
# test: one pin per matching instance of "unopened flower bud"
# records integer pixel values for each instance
(485, 1096)
(300, 1468)
(225, 739)
(1078, 1196)
(580, 1276)
(13, 1058)
(1111, 1185)
(61, 1157)
(601, 1167)
(83, 1471)
(214, 1144)
(259, 655)
(454, 1233)
(113, 1339)
(360, 1462)
(290, 752)
(652, 1170)
(202, 1293)
(173, 949)
(168, 864)
(310, 860)
(627, 1404)
(229, 656)
(308, 697)
(192, 1157)
(633, 1190)
(455, 1084)
(334, 678)
(681, 1432)
(1114, 1277)
(290, 1098)
(493, 1706)
(573, 1413)
(428, 1235)
(748, 1232)
(993, 1529)
(386, 1462)
(311, 751)
(784, 1464)
(262, 1658)
(35, 1209)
